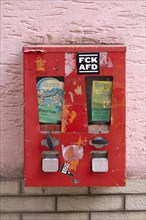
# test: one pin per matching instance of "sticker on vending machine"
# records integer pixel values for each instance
(50, 100)
(65, 168)
(101, 100)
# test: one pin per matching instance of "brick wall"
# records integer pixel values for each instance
(68, 22)
(80, 203)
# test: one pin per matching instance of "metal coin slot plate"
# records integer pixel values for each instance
(99, 161)
(50, 161)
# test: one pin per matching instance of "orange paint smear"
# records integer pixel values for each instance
(65, 114)
(67, 117)
(72, 115)
(40, 64)
(73, 165)
(81, 142)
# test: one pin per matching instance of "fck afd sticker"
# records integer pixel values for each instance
(88, 63)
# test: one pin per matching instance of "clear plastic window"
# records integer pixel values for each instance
(99, 102)
(50, 91)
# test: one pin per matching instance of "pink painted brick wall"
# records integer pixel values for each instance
(65, 22)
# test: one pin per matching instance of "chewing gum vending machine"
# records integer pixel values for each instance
(74, 115)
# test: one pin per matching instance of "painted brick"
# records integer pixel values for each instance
(20, 23)
(136, 202)
(27, 204)
(94, 203)
(59, 216)
(8, 187)
(132, 186)
(118, 216)
(54, 190)
(9, 216)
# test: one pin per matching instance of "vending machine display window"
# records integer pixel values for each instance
(99, 103)
(50, 91)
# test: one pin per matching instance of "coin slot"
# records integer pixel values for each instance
(99, 161)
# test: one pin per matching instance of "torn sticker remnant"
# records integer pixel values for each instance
(69, 63)
(72, 152)
(110, 64)
(103, 58)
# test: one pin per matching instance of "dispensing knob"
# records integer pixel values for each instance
(99, 142)
(50, 142)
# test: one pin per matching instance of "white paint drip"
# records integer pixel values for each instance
(69, 63)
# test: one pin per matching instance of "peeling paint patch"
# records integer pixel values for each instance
(64, 118)
(34, 51)
(73, 165)
(73, 115)
(103, 58)
(110, 64)
(68, 116)
(74, 83)
(70, 63)
(81, 142)
(71, 96)
(78, 90)
(40, 64)
(72, 152)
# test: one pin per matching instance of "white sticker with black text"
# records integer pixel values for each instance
(88, 63)
(65, 168)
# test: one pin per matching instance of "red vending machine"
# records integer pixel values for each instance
(74, 115)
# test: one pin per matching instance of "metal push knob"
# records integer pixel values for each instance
(99, 142)
(50, 142)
